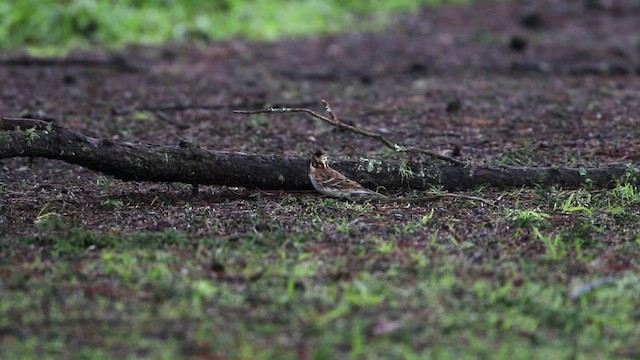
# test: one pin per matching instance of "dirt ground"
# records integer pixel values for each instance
(526, 83)
(531, 83)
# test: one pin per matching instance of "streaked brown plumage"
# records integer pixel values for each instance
(332, 183)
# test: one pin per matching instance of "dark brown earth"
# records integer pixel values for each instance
(535, 83)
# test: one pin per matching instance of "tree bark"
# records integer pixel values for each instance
(188, 163)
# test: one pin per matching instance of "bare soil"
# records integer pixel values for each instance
(525, 83)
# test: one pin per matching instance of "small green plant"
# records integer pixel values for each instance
(426, 218)
(112, 203)
(202, 290)
(67, 239)
(626, 191)
(142, 115)
(384, 246)
(344, 227)
(569, 207)
(359, 293)
(529, 219)
(300, 270)
(357, 339)
(51, 221)
(556, 248)
(104, 183)
(43, 214)
(522, 156)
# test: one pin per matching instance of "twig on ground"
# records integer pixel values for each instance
(10, 123)
(204, 106)
(424, 199)
(334, 121)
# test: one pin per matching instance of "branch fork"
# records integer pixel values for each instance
(335, 121)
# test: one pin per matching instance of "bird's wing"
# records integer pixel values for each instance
(336, 179)
(327, 180)
(340, 182)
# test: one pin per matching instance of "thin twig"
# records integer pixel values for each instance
(334, 121)
(10, 123)
(202, 106)
(436, 197)
(422, 199)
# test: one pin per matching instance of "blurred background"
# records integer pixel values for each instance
(54, 26)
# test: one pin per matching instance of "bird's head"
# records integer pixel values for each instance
(319, 159)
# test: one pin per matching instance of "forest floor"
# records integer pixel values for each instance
(93, 266)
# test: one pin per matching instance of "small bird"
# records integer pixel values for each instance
(332, 183)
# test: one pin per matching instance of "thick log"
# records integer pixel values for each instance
(188, 163)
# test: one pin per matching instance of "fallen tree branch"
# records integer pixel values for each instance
(334, 121)
(188, 163)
